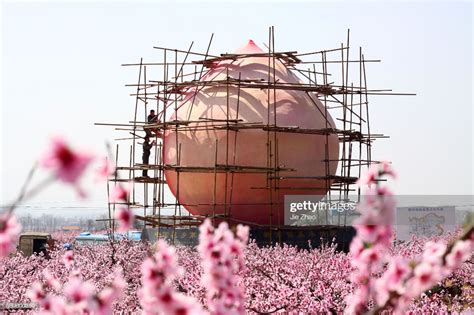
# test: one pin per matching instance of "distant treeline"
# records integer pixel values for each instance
(53, 223)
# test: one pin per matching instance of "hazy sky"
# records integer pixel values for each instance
(61, 73)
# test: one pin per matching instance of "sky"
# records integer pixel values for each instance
(60, 73)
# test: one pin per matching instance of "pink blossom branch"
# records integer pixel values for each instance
(394, 296)
(402, 281)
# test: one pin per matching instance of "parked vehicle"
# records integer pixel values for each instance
(86, 238)
(35, 243)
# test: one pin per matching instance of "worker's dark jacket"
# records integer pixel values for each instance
(152, 119)
(146, 150)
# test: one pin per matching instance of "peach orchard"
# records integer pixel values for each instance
(227, 273)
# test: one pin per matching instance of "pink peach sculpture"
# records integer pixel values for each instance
(244, 197)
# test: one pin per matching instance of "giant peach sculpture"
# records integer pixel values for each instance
(245, 197)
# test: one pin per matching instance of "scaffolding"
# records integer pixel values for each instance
(165, 85)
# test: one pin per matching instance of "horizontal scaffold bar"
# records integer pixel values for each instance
(148, 180)
(218, 168)
(335, 178)
(326, 89)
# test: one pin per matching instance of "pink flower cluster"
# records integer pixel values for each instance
(222, 260)
(373, 240)
(104, 170)
(403, 279)
(406, 280)
(157, 295)
(66, 164)
(9, 232)
(290, 280)
(76, 296)
(222, 257)
(68, 259)
(124, 215)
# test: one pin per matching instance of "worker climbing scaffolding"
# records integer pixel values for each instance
(146, 153)
(152, 119)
